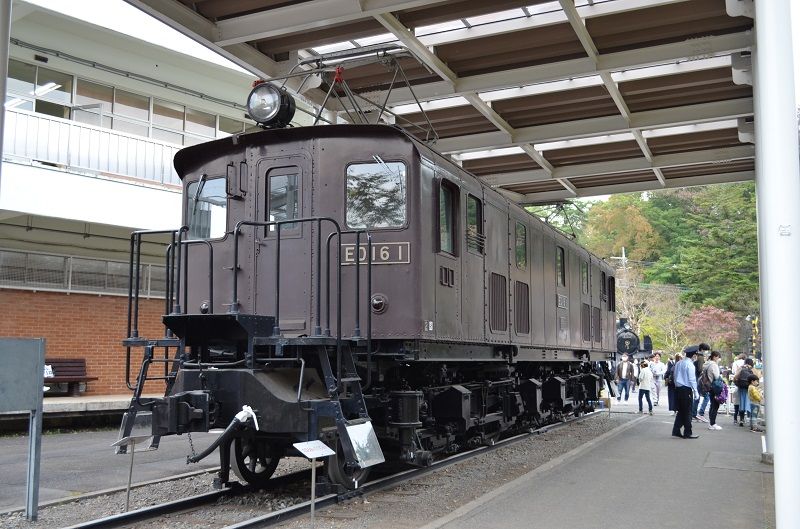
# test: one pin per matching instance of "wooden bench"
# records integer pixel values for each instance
(71, 371)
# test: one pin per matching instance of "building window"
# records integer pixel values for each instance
(99, 97)
(21, 77)
(131, 105)
(54, 86)
(561, 275)
(584, 277)
(474, 235)
(229, 126)
(201, 123)
(166, 114)
(49, 92)
(521, 246)
(207, 204)
(376, 194)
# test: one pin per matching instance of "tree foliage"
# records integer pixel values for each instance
(620, 223)
(717, 327)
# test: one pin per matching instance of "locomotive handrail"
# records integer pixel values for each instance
(134, 278)
(210, 273)
(357, 330)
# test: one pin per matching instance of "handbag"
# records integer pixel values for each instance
(716, 386)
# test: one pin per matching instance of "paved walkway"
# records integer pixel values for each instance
(641, 476)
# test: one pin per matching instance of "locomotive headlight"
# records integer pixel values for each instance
(269, 106)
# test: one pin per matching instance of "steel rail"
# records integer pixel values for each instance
(155, 511)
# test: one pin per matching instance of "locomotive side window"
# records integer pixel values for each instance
(284, 196)
(603, 287)
(376, 194)
(561, 275)
(448, 203)
(207, 204)
(474, 235)
(584, 277)
(521, 246)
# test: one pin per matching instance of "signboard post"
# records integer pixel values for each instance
(21, 389)
(314, 450)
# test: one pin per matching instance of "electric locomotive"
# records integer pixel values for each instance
(347, 283)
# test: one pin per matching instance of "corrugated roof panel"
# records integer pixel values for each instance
(618, 150)
(541, 186)
(613, 179)
(682, 89)
(569, 105)
(512, 50)
(663, 24)
(695, 141)
(448, 122)
(500, 164)
(708, 168)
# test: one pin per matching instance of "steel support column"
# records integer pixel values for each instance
(778, 200)
(5, 36)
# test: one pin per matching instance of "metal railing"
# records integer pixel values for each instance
(63, 273)
(32, 137)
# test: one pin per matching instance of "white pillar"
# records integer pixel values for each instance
(5, 37)
(778, 200)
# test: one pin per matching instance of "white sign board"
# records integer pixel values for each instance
(314, 449)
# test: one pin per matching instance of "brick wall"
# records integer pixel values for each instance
(83, 326)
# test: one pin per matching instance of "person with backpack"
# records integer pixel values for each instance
(699, 363)
(669, 381)
(742, 383)
(708, 384)
(735, 367)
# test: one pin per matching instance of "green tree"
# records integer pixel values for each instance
(619, 223)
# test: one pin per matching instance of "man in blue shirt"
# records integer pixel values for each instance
(685, 393)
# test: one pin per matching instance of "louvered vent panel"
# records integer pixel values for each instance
(522, 311)
(598, 329)
(498, 309)
(586, 321)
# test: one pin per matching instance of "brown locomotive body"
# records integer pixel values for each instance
(340, 276)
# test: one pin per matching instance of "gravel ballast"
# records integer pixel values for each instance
(408, 505)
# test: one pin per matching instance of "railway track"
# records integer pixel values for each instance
(187, 505)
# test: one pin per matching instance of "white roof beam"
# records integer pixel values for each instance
(651, 119)
(624, 166)
(426, 56)
(305, 16)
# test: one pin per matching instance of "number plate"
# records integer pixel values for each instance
(383, 253)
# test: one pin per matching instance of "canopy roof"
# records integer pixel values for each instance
(544, 100)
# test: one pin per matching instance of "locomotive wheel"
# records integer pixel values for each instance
(253, 461)
(335, 468)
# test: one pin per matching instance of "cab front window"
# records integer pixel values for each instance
(207, 205)
(376, 194)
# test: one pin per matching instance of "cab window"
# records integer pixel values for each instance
(284, 196)
(207, 204)
(522, 246)
(448, 205)
(376, 194)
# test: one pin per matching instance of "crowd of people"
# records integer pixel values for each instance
(694, 383)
